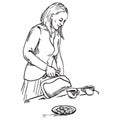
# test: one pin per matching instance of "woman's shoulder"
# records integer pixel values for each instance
(36, 31)
(40, 27)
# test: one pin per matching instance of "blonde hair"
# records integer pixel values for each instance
(45, 19)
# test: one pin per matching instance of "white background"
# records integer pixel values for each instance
(91, 53)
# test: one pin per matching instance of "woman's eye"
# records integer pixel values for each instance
(61, 19)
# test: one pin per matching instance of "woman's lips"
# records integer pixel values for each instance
(59, 25)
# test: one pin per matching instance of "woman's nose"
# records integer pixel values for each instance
(61, 23)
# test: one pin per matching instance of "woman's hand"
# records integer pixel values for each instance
(50, 71)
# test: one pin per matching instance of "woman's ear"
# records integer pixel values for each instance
(53, 16)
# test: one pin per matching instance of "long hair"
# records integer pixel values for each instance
(54, 8)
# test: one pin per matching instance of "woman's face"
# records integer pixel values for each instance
(59, 19)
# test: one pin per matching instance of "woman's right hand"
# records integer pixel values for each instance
(50, 71)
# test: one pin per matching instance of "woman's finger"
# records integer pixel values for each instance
(50, 74)
(53, 73)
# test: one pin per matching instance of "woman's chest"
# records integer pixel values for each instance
(45, 47)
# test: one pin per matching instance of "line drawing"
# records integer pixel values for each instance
(44, 76)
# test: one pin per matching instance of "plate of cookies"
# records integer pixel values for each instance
(63, 110)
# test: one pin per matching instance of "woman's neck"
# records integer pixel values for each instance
(53, 30)
(54, 37)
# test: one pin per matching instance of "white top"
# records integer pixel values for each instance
(40, 50)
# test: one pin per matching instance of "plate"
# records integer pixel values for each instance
(63, 110)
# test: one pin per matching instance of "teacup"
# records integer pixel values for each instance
(72, 92)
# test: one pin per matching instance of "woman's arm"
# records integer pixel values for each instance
(59, 60)
(30, 49)
(59, 63)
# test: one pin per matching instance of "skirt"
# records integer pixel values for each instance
(45, 86)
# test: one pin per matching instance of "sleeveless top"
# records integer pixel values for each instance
(44, 48)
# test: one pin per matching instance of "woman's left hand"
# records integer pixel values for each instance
(50, 71)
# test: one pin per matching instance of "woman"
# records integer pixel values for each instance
(44, 69)
(44, 73)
